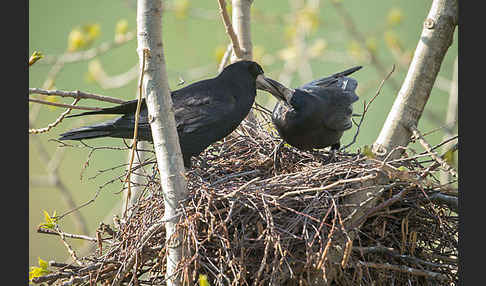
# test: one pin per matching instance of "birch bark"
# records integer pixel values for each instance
(162, 122)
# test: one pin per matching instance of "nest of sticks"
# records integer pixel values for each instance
(263, 213)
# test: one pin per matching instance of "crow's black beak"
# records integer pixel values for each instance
(278, 90)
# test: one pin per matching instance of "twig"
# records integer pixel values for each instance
(323, 256)
(69, 248)
(68, 235)
(56, 122)
(156, 227)
(406, 269)
(394, 253)
(229, 29)
(225, 59)
(63, 105)
(381, 206)
(75, 94)
(344, 181)
(366, 106)
(230, 176)
(135, 131)
(416, 134)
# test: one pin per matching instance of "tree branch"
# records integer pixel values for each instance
(229, 29)
(56, 122)
(75, 94)
(69, 106)
(435, 40)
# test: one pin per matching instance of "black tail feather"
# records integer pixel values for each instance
(104, 129)
(83, 135)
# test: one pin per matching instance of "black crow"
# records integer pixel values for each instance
(205, 111)
(315, 115)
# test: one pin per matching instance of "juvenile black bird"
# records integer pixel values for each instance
(205, 111)
(315, 115)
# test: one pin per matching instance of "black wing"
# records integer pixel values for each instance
(201, 106)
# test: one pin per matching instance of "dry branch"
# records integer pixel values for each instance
(406, 269)
(135, 130)
(416, 134)
(366, 106)
(75, 94)
(56, 122)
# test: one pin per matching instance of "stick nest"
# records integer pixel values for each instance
(264, 213)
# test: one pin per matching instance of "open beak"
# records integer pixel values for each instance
(278, 90)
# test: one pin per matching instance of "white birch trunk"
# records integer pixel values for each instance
(242, 26)
(162, 122)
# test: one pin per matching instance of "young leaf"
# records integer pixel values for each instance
(37, 271)
(203, 280)
(50, 221)
(35, 57)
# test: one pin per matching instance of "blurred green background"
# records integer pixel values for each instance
(194, 41)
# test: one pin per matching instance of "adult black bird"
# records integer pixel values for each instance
(205, 111)
(315, 115)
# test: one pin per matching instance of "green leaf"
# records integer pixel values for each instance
(50, 221)
(37, 271)
(42, 263)
(203, 280)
